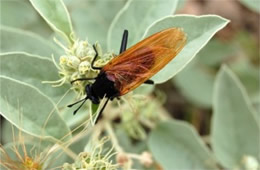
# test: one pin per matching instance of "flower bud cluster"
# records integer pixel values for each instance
(144, 112)
(76, 63)
(95, 159)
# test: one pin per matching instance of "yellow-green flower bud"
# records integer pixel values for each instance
(76, 63)
(84, 67)
(74, 76)
(73, 62)
(95, 159)
(100, 63)
(63, 60)
(99, 49)
(249, 163)
(91, 52)
(92, 73)
(81, 49)
(84, 50)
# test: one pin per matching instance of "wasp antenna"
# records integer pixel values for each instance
(77, 102)
(81, 79)
(101, 111)
(75, 111)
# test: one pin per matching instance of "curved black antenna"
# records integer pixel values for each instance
(81, 79)
(76, 102)
(84, 100)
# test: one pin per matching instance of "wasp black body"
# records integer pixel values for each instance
(132, 67)
(102, 87)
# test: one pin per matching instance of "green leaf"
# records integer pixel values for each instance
(176, 145)
(136, 16)
(181, 4)
(30, 110)
(248, 75)
(196, 82)
(33, 70)
(22, 149)
(18, 40)
(100, 15)
(20, 14)
(199, 30)
(56, 15)
(144, 89)
(73, 121)
(235, 130)
(254, 5)
(10, 133)
(16, 13)
(215, 53)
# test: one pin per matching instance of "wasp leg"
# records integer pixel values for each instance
(82, 79)
(149, 82)
(94, 59)
(101, 111)
(124, 42)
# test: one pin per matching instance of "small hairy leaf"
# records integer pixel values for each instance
(30, 110)
(176, 145)
(235, 130)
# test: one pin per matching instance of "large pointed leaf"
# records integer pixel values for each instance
(199, 31)
(56, 15)
(18, 40)
(176, 146)
(136, 16)
(16, 13)
(196, 83)
(99, 14)
(33, 70)
(30, 110)
(254, 5)
(235, 130)
(20, 14)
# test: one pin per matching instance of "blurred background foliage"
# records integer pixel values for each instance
(210, 104)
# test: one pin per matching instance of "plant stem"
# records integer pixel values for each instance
(113, 137)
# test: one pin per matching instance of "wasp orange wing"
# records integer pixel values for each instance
(140, 62)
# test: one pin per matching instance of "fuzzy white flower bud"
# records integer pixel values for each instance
(84, 67)
(122, 158)
(250, 163)
(74, 76)
(63, 60)
(146, 159)
(99, 49)
(91, 52)
(81, 49)
(76, 63)
(73, 62)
